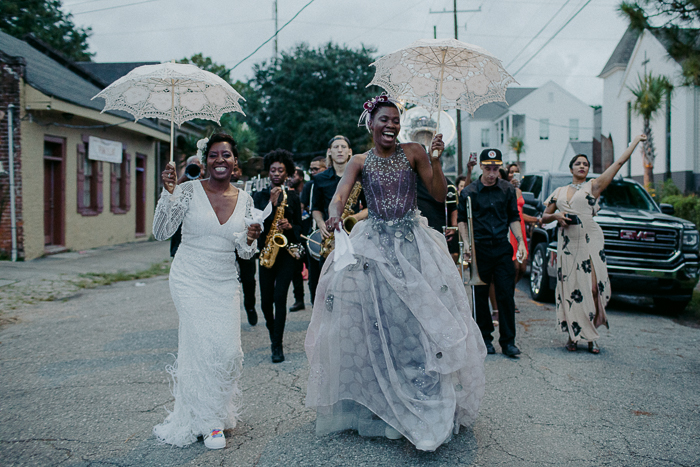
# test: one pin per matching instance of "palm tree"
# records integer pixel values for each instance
(650, 93)
(518, 146)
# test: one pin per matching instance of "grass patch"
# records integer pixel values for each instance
(91, 279)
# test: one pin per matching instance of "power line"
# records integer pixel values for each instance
(538, 33)
(551, 38)
(114, 7)
(271, 37)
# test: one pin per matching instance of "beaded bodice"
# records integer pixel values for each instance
(389, 184)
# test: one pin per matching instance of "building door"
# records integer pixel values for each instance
(54, 181)
(140, 194)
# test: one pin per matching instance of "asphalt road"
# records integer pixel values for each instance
(83, 381)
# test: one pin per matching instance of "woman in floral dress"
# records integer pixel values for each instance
(583, 286)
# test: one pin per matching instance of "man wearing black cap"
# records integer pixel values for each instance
(494, 210)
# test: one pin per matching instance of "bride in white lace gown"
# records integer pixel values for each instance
(205, 288)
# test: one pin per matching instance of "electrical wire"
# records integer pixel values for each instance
(114, 7)
(271, 37)
(538, 33)
(551, 38)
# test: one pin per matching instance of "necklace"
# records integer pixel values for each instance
(577, 186)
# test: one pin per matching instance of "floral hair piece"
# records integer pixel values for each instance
(201, 146)
(371, 104)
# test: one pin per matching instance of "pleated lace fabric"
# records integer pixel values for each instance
(391, 338)
(205, 289)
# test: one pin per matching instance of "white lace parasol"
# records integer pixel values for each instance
(171, 91)
(443, 74)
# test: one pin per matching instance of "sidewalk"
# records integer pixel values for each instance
(56, 277)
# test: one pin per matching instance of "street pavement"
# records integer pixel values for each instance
(83, 381)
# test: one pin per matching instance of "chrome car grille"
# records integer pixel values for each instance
(640, 242)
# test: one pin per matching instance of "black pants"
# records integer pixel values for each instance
(314, 273)
(495, 264)
(298, 280)
(247, 277)
(274, 287)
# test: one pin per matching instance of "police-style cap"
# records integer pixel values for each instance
(491, 157)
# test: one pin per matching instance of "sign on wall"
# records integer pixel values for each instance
(104, 150)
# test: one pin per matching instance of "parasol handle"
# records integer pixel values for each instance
(439, 110)
(172, 123)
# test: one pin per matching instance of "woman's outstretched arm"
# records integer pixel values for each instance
(601, 183)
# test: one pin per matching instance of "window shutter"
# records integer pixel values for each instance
(100, 204)
(81, 178)
(113, 192)
(126, 182)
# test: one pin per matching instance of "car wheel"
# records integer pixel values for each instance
(539, 279)
(671, 306)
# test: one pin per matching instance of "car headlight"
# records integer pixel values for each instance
(690, 239)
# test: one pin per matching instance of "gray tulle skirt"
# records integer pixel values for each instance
(391, 339)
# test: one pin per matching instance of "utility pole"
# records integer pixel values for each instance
(459, 112)
(274, 3)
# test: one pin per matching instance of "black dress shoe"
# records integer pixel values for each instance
(297, 306)
(489, 348)
(511, 351)
(277, 354)
(252, 317)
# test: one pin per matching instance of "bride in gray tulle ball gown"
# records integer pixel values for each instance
(392, 346)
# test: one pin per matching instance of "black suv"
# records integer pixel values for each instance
(648, 251)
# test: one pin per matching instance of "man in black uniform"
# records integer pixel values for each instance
(275, 281)
(296, 184)
(325, 183)
(494, 210)
(308, 224)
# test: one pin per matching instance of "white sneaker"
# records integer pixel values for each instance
(215, 440)
(392, 433)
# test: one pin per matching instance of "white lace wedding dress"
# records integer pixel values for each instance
(205, 288)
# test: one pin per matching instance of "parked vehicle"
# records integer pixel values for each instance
(648, 251)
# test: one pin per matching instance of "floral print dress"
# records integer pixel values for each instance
(580, 260)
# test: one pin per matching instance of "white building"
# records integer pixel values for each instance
(676, 127)
(547, 119)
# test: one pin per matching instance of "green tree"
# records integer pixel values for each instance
(518, 146)
(650, 93)
(676, 22)
(45, 20)
(306, 96)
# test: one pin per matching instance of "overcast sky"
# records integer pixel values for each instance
(229, 30)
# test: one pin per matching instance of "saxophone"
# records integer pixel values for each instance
(274, 240)
(328, 244)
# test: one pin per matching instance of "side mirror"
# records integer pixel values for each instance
(667, 209)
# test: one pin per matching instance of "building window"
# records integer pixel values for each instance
(544, 128)
(120, 183)
(573, 129)
(501, 132)
(485, 138)
(89, 182)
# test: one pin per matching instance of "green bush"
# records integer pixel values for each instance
(686, 207)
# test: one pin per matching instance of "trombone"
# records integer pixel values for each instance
(474, 278)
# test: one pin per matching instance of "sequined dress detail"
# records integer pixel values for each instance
(206, 292)
(391, 339)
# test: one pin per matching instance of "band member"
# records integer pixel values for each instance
(494, 211)
(275, 280)
(308, 225)
(296, 184)
(339, 153)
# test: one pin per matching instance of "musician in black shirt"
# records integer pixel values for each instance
(275, 281)
(494, 211)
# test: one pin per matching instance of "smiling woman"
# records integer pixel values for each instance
(392, 346)
(205, 289)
